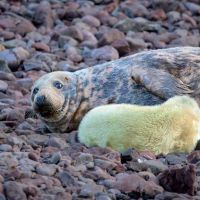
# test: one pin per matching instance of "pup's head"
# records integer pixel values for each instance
(52, 93)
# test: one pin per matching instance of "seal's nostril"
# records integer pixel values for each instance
(40, 100)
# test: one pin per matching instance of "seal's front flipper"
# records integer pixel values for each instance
(159, 82)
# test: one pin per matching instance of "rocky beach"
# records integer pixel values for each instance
(37, 37)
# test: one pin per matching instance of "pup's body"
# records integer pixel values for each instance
(173, 126)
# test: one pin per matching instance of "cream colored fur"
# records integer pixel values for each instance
(173, 126)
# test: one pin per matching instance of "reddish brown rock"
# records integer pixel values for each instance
(106, 53)
(122, 46)
(91, 20)
(110, 36)
(16, 24)
(132, 183)
(41, 46)
(158, 14)
(179, 179)
(194, 157)
(44, 15)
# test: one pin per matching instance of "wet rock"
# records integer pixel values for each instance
(37, 139)
(43, 14)
(33, 156)
(3, 86)
(89, 190)
(65, 66)
(56, 157)
(33, 64)
(132, 183)
(102, 196)
(85, 159)
(14, 191)
(57, 142)
(14, 56)
(4, 66)
(12, 114)
(15, 43)
(73, 54)
(155, 166)
(122, 46)
(89, 40)
(5, 147)
(179, 179)
(110, 36)
(27, 165)
(173, 159)
(66, 179)
(13, 140)
(7, 35)
(91, 20)
(173, 16)
(194, 157)
(134, 9)
(2, 197)
(106, 53)
(25, 83)
(41, 46)
(74, 32)
(63, 40)
(137, 24)
(171, 196)
(16, 23)
(105, 164)
(6, 76)
(105, 18)
(186, 41)
(136, 44)
(158, 14)
(148, 176)
(46, 170)
(40, 61)
(193, 7)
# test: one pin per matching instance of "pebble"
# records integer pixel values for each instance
(3, 86)
(57, 142)
(106, 53)
(41, 46)
(110, 36)
(66, 179)
(89, 190)
(46, 170)
(179, 179)
(14, 191)
(132, 183)
(5, 147)
(91, 20)
(155, 166)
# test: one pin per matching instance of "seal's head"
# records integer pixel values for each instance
(52, 94)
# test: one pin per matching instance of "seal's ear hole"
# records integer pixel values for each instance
(66, 78)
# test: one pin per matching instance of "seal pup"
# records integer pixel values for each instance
(62, 98)
(173, 126)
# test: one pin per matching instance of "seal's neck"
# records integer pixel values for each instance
(84, 83)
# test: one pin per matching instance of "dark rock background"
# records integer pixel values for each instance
(37, 37)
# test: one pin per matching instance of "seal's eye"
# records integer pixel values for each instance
(35, 91)
(57, 84)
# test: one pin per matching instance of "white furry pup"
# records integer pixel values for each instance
(173, 126)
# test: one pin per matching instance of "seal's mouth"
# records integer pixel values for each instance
(49, 111)
(46, 111)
